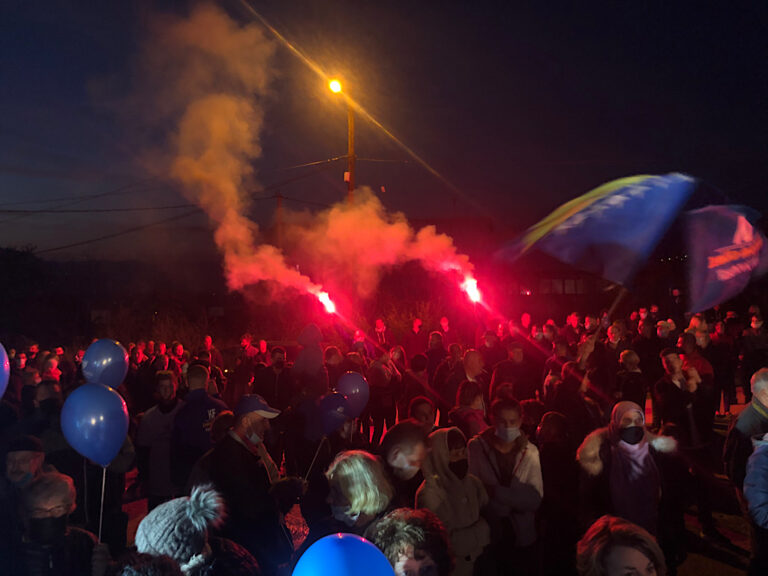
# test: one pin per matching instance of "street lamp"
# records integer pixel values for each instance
(349, 176)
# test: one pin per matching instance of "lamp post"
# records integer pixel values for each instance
(349, 176)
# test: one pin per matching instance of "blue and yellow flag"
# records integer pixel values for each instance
(611, 230)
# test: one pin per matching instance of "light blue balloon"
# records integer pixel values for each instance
(343, 555)
(105, 362)
(94, 420)
(5, 370)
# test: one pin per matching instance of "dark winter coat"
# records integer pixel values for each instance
(254, 519)
(751, 422)
(594, 457)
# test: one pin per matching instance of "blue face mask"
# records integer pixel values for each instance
(508, 434)
(26, 479)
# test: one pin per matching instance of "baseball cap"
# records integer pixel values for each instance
(255, 403)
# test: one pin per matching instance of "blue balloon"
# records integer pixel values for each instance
(355, 388)
(343, 555)
(105, 362)
(5, 370)
(94, 420)
(334, 411)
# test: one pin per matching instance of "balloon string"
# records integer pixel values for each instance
(101, 509)
(315, 458)
(85, 492)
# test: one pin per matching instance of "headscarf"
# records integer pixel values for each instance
(633, 478)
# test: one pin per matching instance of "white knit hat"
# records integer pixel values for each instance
(179, 528)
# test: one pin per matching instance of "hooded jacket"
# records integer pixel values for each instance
(456, 501)
(520, 499)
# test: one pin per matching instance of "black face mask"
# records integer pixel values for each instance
(459, 468)
(633, 434)
(47, 531)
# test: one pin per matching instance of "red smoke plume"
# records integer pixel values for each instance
(208, 76)
(352, 244)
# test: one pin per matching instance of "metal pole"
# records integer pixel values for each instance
(350, 153)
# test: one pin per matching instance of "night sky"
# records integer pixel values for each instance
(520, 106)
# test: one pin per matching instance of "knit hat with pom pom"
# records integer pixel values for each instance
(179, 528)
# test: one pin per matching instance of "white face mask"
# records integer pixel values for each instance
(341, 513)
(403, 469)
(508, 434)
(254, 438)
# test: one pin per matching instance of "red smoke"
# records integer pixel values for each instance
(208, 76)
(352, 245)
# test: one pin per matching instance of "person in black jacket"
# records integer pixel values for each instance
(559, 506)
(191, 436)
(682, 403)
(50, 545)
(243, 472)
(751, 422)
(582, 414)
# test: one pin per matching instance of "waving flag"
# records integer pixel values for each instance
(725, 251)
(611, 230)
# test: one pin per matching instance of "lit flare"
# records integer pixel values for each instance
(326, 301)
(470, 287)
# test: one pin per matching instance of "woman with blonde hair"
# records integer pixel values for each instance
(358, 494)
(359, 489)
(613, 547)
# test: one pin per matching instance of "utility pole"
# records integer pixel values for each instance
(350, 175)
(279, 220)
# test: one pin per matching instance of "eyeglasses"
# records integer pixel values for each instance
(13, 460)
(54, 512)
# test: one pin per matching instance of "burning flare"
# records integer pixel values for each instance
(470, 287)
(326, 301)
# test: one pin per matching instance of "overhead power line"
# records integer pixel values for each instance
(174, 218)
(121, 233)
(95, 210)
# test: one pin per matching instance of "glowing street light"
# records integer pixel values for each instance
(335, 87)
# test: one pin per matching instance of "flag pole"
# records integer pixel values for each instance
(619, 297)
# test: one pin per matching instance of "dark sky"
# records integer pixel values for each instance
(520, 105)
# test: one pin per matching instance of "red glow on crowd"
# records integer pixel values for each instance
(470, 287)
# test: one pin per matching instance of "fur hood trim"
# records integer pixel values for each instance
(588, 454)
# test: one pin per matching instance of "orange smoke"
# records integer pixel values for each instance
(208, 76)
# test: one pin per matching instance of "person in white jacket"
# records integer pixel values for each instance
(508, 465)
(456, 497)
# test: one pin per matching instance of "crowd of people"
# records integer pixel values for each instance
(524, 451)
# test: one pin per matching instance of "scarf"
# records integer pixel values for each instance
(633, 478)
